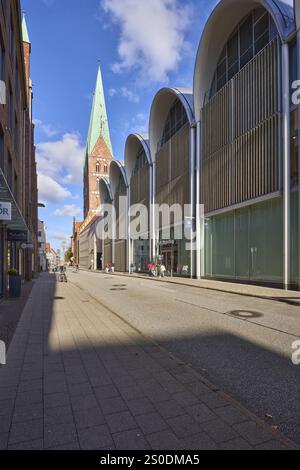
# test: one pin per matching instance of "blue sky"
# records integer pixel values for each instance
(142, 45)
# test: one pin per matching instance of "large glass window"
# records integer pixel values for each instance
(176, 119)
(294, 148)
(141, 160)
(246, 244)
(248, 39)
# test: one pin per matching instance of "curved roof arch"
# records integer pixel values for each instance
(104, 187)
(160, 108)
(116, 170)
(133, 143)
(221, 23)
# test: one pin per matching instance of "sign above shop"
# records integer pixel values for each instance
(17, 236)
(5, 211)
(27, 246)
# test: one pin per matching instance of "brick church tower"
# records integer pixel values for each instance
(99, 152)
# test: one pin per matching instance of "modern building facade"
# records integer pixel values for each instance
(248, 143)
(18, 179)
(42, 246)
(229, 146)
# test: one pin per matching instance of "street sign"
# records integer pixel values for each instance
(17, 236)
(5, 211)
(27, 246)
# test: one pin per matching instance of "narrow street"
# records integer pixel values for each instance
(85, 371)
(250, 359)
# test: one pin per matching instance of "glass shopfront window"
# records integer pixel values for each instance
(140, 255)
(173, 253)
(246, 244)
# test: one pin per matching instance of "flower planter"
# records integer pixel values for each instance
(15, 286)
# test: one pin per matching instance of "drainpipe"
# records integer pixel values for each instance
(286, 167)
(128, 231)
(152, 210)
(192, 199)
(199, 221)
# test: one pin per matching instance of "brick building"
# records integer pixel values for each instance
(86, 248)
(18, 179)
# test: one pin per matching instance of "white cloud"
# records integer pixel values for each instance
(50, 190)
(47, 129)
(62, 160)
(124, 92)
(152, 35)
(68, 211)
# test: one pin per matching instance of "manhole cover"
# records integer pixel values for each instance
(245, 314)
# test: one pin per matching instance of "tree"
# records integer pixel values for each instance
(68, 255)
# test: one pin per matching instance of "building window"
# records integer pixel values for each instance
(247, 40)
(176, 119)
(105, 169)
(10, 110)
(1, 149)
(141, 160)
(2, 61)
(10, 173)
(97, 167)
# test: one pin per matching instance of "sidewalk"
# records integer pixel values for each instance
(80, 377)
(280, 295)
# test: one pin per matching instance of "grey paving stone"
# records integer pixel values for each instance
(59, 434)
(151, 423)
(231, 415)
(198, 442)
(140, 406)
(165, 440)
(131, 393)
(22, 414)
(253, 433)
(26, 431)
(121, 422)
(169, 409)
(219, 431)
(3, 441)
(186, 398)
(213, 400)
(130, 440)
(200, 413)
(55, 387)
(85, 402)
(111, 406)
(106, 391)
(80, 389)
(58, 415)
(95, 438)
(88, 418)
(71, 446)
(29, 398)
(184, 426)
(31, 445)
(56, 400)
(236, 444)
(5, 423)
(29, 385)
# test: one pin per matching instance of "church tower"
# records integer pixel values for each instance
(99, 152)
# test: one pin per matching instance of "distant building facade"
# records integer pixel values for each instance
(86, 248)
(42, 246)
(18, 178)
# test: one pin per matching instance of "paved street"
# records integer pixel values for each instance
(250, 358)
(81, 377)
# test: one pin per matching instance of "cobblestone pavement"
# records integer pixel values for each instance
(80, 377)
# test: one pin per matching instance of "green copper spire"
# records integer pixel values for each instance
(25, 34)
(98, 122)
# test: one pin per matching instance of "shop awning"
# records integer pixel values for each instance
(17, 221)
